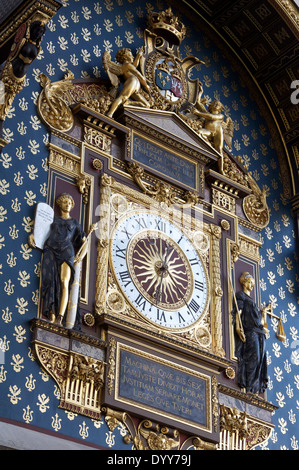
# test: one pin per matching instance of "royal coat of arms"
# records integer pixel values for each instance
(168, 79)
(166, 72)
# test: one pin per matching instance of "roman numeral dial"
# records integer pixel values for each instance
(159, 270)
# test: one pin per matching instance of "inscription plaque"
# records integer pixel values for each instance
(163, 162)
(157, 385)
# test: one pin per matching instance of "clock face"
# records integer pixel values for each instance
(159, 270)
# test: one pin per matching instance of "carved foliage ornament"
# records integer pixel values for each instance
(56, 98)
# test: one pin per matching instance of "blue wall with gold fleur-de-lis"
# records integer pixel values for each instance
(75, 40)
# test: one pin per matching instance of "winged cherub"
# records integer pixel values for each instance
(215, 128)
(132, 78)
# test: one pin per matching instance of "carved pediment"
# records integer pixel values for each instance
(169, 127)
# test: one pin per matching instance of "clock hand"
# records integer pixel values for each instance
(164, 269)
(167, 254)
(158, 292)
(183, 297)
(152, 243)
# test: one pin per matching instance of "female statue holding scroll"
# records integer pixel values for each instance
(249, 324)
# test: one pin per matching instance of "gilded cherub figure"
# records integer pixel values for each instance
(132, 78)
(215, 128)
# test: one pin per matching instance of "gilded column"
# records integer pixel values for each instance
(103, 243)
(216, 291)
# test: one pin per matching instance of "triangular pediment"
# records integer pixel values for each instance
(169, 125)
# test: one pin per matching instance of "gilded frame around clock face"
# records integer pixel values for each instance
(159, 270)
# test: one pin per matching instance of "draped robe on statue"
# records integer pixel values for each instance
(251, 355)
(66, 236)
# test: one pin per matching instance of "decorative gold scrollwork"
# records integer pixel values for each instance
(157, 438)
(160, 191)
(255, 205)
(52, 102)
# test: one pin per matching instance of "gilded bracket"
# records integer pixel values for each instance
(80, 379)
(239, 431)
(148, 435)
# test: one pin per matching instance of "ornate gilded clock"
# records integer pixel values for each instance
(159, 270)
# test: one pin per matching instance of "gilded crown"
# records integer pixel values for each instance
(168, 26)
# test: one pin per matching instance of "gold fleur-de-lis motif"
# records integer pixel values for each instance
(71, 416)
(3, 213)
(26, 251)
(31, 354)
(2, 374)
(57, 393)
(28, 414)
(14, 394)
(32, 172)
(4, 185)
(4, 344)
(13, 232)
(21, 305)
(9, 287)
(18, 179)
(110, 439)
(56, 422)
(44, 376)
(42, 403)
(30, 197)
(83, 430)
(30, 383)
(2, 238)
(18, 362)
(24, 278)
(6, 315)
(97, 423)
(6, 160)
(35, 296)
(11, 260)
(27, 224)
(16, 205)
(19, 334)
(37, 269)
